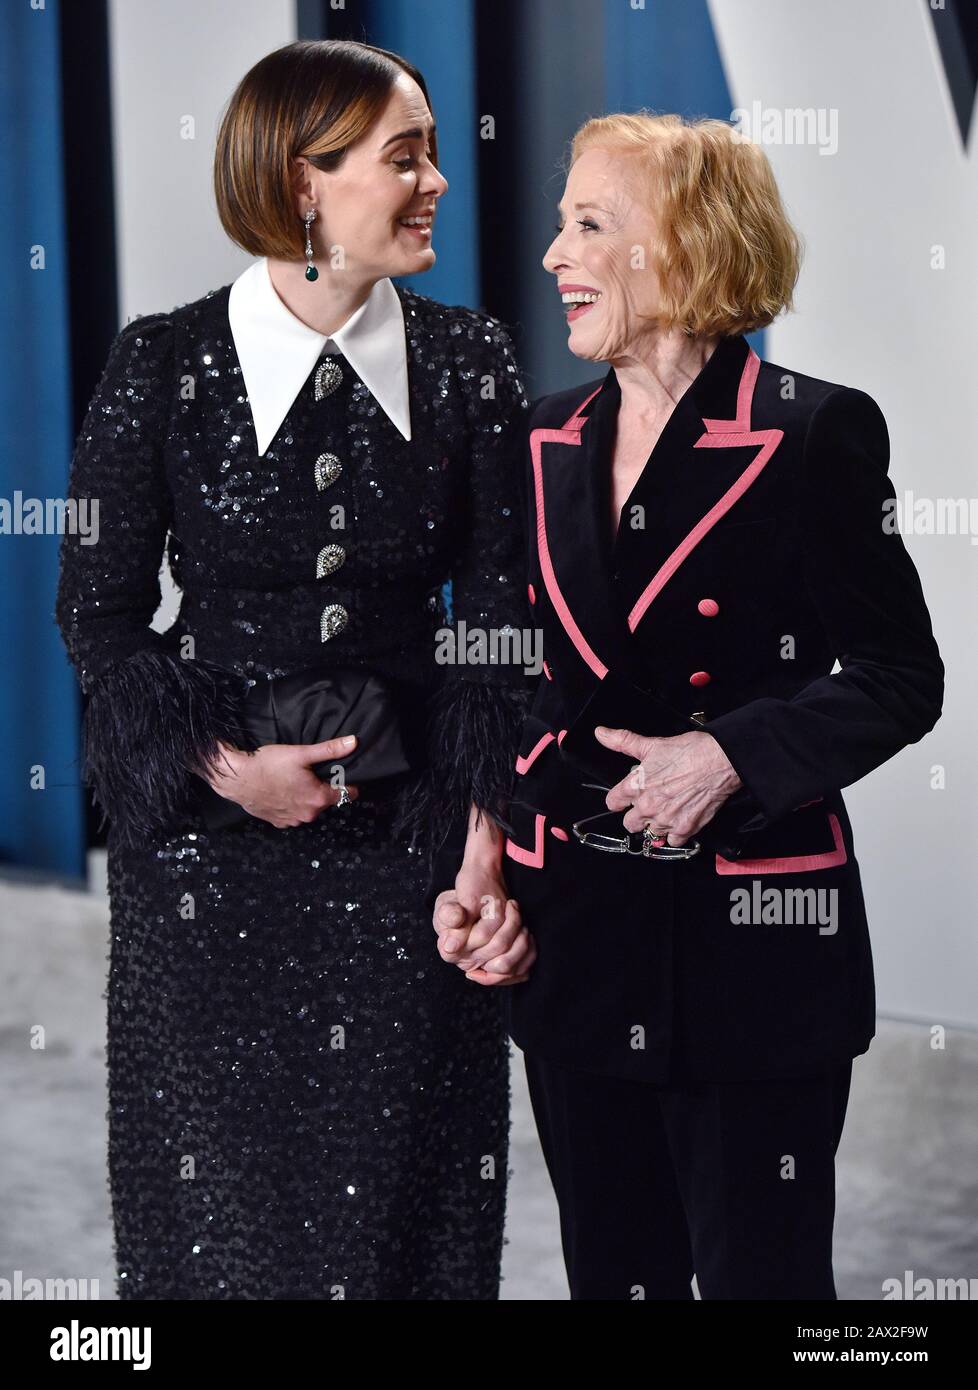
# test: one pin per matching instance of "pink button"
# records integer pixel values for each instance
(700, 678)
(560, 834)
(708, 607)
(546, 672)
(532, 593)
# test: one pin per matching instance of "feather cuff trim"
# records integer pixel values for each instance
(152, 722)
(473, 738)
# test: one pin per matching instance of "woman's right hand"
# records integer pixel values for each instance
(480, 929)
(276, 783)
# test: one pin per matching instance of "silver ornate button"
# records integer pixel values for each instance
(328, 377)
(329, 559)
(328, 469)
(334, 619)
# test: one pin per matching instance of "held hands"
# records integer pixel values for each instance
(678, 786)
(481, 931)
(277, 783)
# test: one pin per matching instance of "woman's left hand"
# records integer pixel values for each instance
(678, 786)
(481, 930)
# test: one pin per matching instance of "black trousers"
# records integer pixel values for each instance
(732, 1180)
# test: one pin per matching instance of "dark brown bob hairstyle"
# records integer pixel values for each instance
(313, 98)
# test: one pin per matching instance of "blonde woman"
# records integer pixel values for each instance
(708, 539)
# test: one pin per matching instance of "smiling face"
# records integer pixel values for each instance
(379, 204)
(601, 258)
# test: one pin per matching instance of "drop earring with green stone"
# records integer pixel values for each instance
(311, 272)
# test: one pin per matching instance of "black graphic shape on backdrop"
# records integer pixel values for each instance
(956, 27)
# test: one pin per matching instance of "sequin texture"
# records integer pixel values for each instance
(304, 1100)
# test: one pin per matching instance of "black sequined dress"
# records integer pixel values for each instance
(304, 1100)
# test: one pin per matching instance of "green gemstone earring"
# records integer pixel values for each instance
(311, 272)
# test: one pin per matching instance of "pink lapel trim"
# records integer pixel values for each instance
(769, 440)
(745, 395)
(575, 422)
(567, 435)
(720, 434)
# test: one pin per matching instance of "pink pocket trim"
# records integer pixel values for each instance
(524, 764)
(790, 864)
(531, 858)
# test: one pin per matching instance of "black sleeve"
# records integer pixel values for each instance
(152, 719)
(477, 711)
(857, 572)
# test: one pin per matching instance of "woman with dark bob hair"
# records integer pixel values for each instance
(303, 1101)
(709, 536)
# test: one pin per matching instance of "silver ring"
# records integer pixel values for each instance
(345, 797)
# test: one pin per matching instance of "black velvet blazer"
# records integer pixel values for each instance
(751, 554)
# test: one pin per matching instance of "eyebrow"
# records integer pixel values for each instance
(414, 134)
(582, 207)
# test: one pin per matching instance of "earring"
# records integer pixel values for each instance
(311, 272)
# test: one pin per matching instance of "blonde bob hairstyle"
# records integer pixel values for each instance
(313, 98)
(725, 254)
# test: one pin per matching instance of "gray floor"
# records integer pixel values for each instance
(907, 1177)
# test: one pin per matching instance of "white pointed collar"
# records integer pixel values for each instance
(277, 351)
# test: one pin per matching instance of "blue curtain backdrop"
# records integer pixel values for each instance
(438, 36)
(38, 702)
(665, 56)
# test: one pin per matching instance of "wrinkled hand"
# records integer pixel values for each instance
(481, 930)
(277, 784)
(678, 786)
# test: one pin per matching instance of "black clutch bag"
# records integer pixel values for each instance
(618, 704)
(310, 707)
